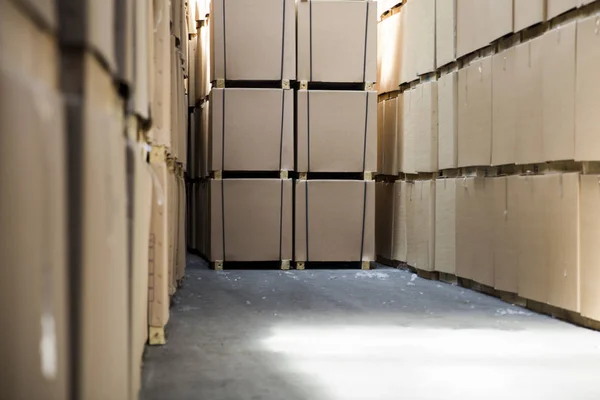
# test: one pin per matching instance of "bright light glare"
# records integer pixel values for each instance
(424, 363)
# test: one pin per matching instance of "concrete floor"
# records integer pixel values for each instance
(346, 335)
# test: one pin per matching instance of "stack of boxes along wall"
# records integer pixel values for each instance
(491, 131)
(93, 163)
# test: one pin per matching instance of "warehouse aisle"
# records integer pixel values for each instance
(344, 335)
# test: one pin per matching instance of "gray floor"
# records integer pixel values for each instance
(345, 335)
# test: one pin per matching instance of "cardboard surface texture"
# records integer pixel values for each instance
(161, 93)
(587, 102)
(475, 114)
(425, 34)
(408, 129)
(529, 13)
(257, 214)
(504, 108)
(337, 41)
(445, 30)
(505, 220)
(422, 198)
(445, 225)
(384, 219)
(447, 104)
(341, 220)
(529, 87)
(558, 70)
(259, 48)
(337, 131)
(259, 130)
(589, 220)
(388, 137)
(557, 7)
(389, 32)
(424, 107)
(472, 26)
(400, 216)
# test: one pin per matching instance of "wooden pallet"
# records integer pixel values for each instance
(156, 336)
(356, 86)
(250, 265)
(302, 265)
(274, 84)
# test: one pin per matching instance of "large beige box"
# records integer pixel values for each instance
(250, 219)
(262, 47)
(447, 105)
(424, 14)
(337, 131)
(406, 132)
(480, 22)
(161, 90)
(445, 31)
(475, 114)
(587, 102)
(423, 104)
(337, 41)
(400, 214)
(529, 86)
(528, 13)
(474, 230)
(35, 350)
(387, 160)
(589, 222)
(421, 223)
(335, 220)
(504, 108)
(506, 225)
(389, 43)
(558, 70)
(557, 7)
(252, 128)
(410, 26)
(384, 219)
(445, 225)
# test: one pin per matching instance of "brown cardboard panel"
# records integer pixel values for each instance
(445, 31)
(445, 225)
(193, 72)
(475, 114)
(181, 243)
(533, 247)
(423, 198)
(125, 26)
(474, 231)
(424, 104)
(529, 86)
(141, 96)
(388, 143)
(528, 13)
(425, 18)
(400, 215)
(561, 192)
(504, 108)
(161, 96)
(33, 234)
(258, 132)
(43, 12)
(472, 26)
(205, 138)
(389, 52)
(384, 219)
(173, 145)
(412, 208)
(258, 219)
(557, 7)
(400, 130)
(409, 122)
(336, 212)
(251, 48)
(447, 105)
(587, 102)
(500, 17)
(589, 223)
(409, 22)
(558, 70)
(340, 49)
(505, 219)
(380, 123)
(337, 131)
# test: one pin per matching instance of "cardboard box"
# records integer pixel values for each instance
(173, 146)
(407, 128)
(384, 220)
(389, 32)
(400, 221)
(500, 18)
(445, 225)
(529, 86)
(337, 41)
(504, 108)
(89, 23)
(143, 41)
(35, 350)
(258, 134)
(445, 31)
(480, 22)
(423, 224)
(447, 105)
(425, 34)
(410, 39)
(181, 239)
(388, 137)
(172, 211)
(557, 7)
(205, 143)
(589, 223)
(474, 230)
(337, 131)
(529, 13)
(475, 113)
(423, 105)
(257, 218)
(587, 103)
(506, 225)
(125, 25)
(558, 70)
(340, 217)
(259, 48)
(411, 229)
(161, 93)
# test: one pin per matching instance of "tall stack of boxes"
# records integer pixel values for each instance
(336, 132)
(513, 93)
